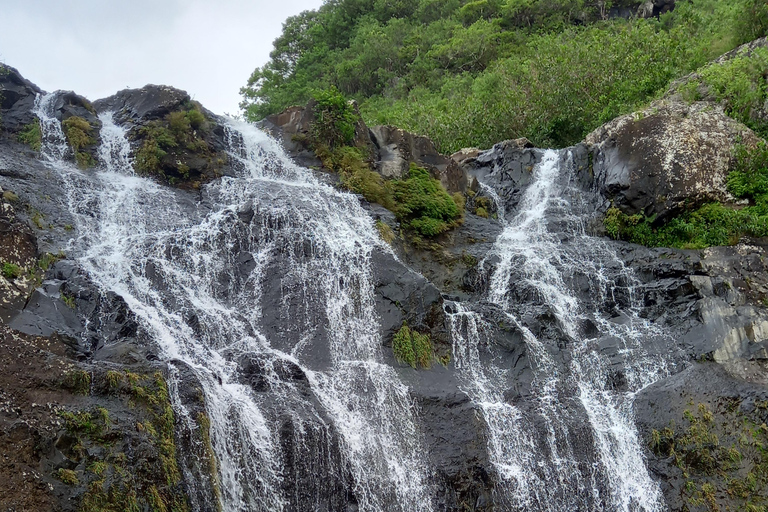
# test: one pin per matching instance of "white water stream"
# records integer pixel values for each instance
(195, 276)
(263, 290)
(575, 276)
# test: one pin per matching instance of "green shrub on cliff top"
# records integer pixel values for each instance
(474, 73)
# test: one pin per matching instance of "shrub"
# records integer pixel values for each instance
(32, 135)
(709, 225)
(11, 270)
(422, 204)
(178, 131)
(335, 119)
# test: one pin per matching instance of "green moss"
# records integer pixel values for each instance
(11, 271)
(722, 457)
(481, 212)
(385, 232)
(32, 135)
(67, 476)
(412, 347)
(117, 483)
(37, 219)
(11, 197)
(78, 133)
(79, 381)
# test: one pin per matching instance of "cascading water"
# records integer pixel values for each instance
(201, 280)
(545, 263)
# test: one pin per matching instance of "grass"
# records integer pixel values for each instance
(79, 381)
(11, 271)
(412, 347)
(722, 455)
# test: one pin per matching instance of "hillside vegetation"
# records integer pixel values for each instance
(472, 73)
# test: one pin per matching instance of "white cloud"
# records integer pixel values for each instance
(96, 47)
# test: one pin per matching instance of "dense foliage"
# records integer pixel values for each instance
(419, 201)
(471, 73)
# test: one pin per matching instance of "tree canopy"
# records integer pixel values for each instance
(471, 73)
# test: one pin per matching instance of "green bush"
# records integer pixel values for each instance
(11, 271)
(412, 347)
(335, 119)
(422, 204)
(473, 73)
(709, 225)
(178, 131)
(32, 135)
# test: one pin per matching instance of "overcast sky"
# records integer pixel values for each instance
(97, 47)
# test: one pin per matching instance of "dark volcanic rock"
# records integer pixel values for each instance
(668, 157)
(396, 149)
(138, 106)
(677, 418)
(17, 97)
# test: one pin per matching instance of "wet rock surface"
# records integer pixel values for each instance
(671, 156)
(59, 326)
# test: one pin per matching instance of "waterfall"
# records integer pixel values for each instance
(546, 262)
(263, 290)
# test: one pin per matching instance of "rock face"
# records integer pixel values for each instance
(667, 157)
(175, 139)
(70, 349)
(391, 149)
(16, 100)
(397, 149)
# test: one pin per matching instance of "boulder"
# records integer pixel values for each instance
(17, 97)
(199, 156)
(670, 156)
(397, 149)
(138, 106)
(654, 8)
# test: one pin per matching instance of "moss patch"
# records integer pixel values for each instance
(31, 135)
(115, 478)
(723, 456)
(413, 348)
(78, 133)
